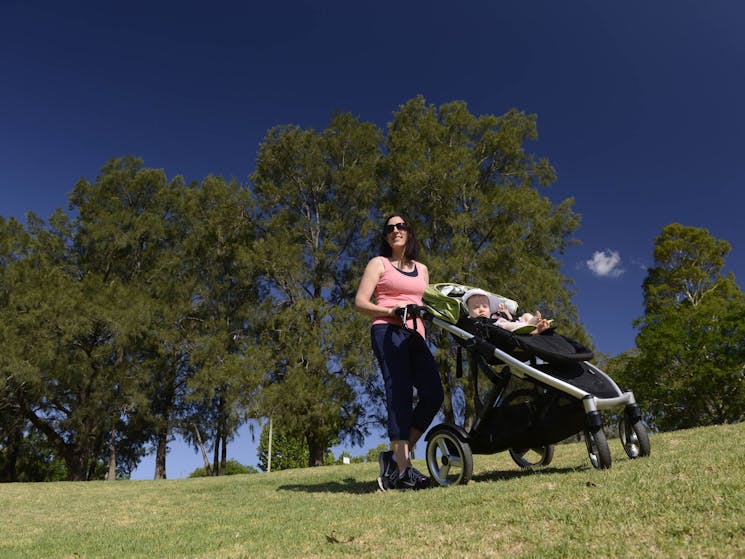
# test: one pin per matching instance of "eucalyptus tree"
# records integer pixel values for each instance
(689, 365)
(472, 190)
(688, 267)
(316, 194)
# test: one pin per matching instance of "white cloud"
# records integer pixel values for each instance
(606, 264)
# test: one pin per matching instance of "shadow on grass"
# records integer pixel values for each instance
(500, 475)
(348, 485)
(356, 487)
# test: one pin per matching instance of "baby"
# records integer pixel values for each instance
(479, 303)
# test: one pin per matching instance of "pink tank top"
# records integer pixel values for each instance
(396, 287)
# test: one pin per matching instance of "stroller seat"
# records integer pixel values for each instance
(548, 346)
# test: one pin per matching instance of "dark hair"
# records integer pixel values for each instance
(411, 251)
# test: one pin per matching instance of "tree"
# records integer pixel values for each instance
(689, 369)
(64, 342)
(232, 468)
(183, 249)
(131, 229)
(314, 191)
(287, 451)
(688, 265)
(372, 453)
(226, 357)
(139, 310)
(472, 191)
(13, 246)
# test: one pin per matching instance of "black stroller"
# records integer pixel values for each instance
(542, 390)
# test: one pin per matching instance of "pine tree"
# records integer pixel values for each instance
(471, 190)
(314, 191)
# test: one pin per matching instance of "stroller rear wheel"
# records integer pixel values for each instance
(597, 448)
(449, 459)
(532, 457)
(634, 438)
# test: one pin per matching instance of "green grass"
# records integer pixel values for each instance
(685, 500)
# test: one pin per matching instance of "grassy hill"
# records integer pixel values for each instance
(686, 500)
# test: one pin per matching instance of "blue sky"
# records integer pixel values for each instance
(639, 106)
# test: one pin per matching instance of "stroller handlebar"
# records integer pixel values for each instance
(411, 312)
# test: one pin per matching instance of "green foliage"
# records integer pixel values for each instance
(65, 344)
(36, 460)
(288, 451)
(372, 454)
(688, 264)
(224, 356)
(233, 467)
(314, 191)
(689, 367)
(136, 313)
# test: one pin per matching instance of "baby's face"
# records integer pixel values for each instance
(478, 305)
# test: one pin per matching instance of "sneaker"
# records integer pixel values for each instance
(422, 481)
(410, 480)
(387, 469)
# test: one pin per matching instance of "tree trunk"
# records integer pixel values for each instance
(447, 403)
(161, 451)
(207, 468)
(12, 451)
(76, 456)
(77, 465)
(94, 450)
(111, 476)
(216, 455)
(224, 456)
(222, 436)
(169, 395)
(315, 453)
(162, 445)
(269, 451)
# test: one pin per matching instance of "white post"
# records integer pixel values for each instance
(269, 451)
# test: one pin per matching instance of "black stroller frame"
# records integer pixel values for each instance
(543, 391)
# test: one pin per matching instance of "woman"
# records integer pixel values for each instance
(396, 279)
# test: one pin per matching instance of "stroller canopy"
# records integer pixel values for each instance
(444, 300)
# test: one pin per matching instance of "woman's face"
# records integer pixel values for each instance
(396, 231)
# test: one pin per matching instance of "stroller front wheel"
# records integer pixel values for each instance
(597, 448)
(634, 438)
(449, 460)
(532, 457)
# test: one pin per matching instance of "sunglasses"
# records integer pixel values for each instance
(402, 226)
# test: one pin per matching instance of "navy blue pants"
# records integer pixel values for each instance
(407, 363)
